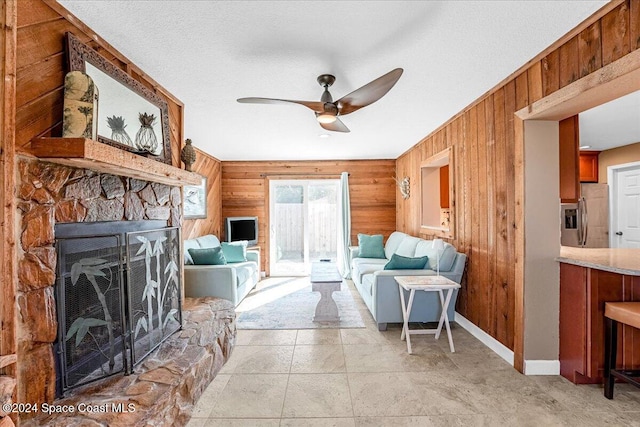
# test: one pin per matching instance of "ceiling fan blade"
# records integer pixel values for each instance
(336, 126)
(369, 93)
(318, 107)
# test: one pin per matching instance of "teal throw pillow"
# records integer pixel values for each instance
(399, 262)
(370, 246)
(208, 256)
(235, 251)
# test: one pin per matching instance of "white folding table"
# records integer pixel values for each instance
(426, 284)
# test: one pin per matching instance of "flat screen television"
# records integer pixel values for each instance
(242, 228)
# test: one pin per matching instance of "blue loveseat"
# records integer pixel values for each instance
(231, 281)
(379, 290)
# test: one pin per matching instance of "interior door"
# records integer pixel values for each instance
(625, 227)
(303, 224)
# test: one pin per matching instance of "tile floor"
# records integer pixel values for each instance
(363, 377)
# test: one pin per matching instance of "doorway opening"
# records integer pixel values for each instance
(303, 224)
(539, 296)
(624, 181)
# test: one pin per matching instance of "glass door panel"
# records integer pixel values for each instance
(322, 220)
(303, 224)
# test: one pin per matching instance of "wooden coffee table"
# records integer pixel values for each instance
(326, 279)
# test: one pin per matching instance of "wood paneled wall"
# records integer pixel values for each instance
(483, 141)
(372, 191)
(8, 264)
(211, 168)
(41, 67)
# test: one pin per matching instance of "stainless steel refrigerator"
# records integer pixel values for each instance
(586, 223)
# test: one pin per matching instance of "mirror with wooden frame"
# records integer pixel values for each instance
(130, 116)
(437, 195)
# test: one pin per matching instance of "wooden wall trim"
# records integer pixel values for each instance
(8, 275)
(534, 62)
(519, 312)
(612, 81)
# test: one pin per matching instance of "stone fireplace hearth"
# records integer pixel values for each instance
(163, 387)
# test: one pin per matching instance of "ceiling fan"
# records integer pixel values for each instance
(327, 110)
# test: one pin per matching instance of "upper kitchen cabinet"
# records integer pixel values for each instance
(569, 160)
(589, 166)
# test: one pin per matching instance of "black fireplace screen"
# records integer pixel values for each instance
(153, 280)
(118, 298)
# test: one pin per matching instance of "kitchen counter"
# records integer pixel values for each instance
(622, 261)
(589, 278)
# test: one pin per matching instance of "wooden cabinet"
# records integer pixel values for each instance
(444, 187)
(589, 166)
(569, 144)
(583, 292)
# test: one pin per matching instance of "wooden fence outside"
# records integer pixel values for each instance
(322, 225)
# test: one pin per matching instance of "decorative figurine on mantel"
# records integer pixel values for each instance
(80, 115)
(188, 155)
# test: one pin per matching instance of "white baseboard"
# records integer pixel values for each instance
(531, 367)
(485, 338)
(542, 367)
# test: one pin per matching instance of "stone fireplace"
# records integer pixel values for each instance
(165, 378)
(52, 195)
(118, 296)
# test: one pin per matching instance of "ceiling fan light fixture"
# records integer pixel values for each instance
(326, 118)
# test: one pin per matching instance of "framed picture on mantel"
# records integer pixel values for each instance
(194, 201)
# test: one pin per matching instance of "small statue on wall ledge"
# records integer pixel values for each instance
(188, 155)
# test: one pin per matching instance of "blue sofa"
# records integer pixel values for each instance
(379, 290)
(231, 281)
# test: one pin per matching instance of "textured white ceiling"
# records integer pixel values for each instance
(209, 53)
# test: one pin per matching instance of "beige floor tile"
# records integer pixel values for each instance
(259, 359)
(318, 359)
(417, 421)
(210, 395)
(530, 419)
(196, 422)
(361, 336)
(318, 337)
(251, 396)
(589, 397)
(317, 395)
(245, 422)
(442, 392)
(387, 358)
(266, 337)
(478, 361)
(364, 377)
(372, 358)
(384, 394)
(317, 422)
(599, 419)
(506, 391)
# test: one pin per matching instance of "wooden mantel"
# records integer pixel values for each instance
(94, 155)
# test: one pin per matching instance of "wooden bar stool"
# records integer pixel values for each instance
(627, 313)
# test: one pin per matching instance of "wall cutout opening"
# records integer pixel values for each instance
(436, 183)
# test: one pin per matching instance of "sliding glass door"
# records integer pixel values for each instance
(303, 224)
